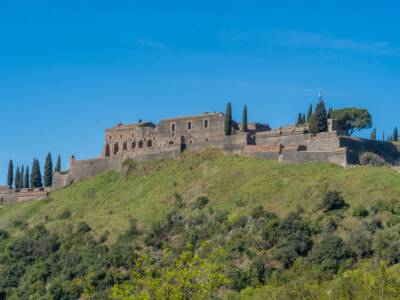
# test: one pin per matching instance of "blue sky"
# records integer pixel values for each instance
(69, 69)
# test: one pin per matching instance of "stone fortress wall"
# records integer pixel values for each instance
(168, 139)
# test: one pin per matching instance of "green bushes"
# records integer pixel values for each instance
(371, 159)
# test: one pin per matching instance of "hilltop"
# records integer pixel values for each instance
(262, 224)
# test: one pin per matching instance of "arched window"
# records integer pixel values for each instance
(205, 123)
(116, 148)
(173, 127)
(125, 146)
(149, 143)
(189, 125)
(140, 144)
(133, 145)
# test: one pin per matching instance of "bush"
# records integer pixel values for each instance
(331, 253)
(371, 159)
(360, 212)
(332, 201)
(65, 214)
(201, 202)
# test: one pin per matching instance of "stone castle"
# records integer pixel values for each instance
(171, 137)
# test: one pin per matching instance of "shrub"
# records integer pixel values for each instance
(65, 214)
(331, 253)
(332, 201)
(360, 212)
(201, 202)
(371, 159)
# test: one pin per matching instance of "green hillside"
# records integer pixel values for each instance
(262, 226)
(146, 192)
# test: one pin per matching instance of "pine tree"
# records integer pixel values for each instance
(319, 121)
(36, 176)
(309, 113)
(304, 119)
(395, 135)
(373, 134)
(48, 171)
(244, 119)
(383, 136)
(10, 174)
(228, 119)
(17, 179)
(26, 178)
(58, 164)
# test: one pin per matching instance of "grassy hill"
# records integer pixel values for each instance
(238, 184)
(239, 227)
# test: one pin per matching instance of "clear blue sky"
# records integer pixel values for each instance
(69, 69)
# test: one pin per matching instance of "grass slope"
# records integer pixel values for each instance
(146, 191)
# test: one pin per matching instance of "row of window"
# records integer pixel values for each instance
(189, 125)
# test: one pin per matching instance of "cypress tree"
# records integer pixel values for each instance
(10, 174)
(309, 113)
(36, 176)
(228, 119)
(319, 121)
(395, 135)
(48, 171)
(244, 119)
(304, 119)
(22, 177)
(26, 178)
(58, 164)
(299, 119)
(17, 179)
(383, 136)
(373, 134)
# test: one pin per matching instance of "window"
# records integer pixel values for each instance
(140, 144)
(125, 146)
(205, 123)
(173, 127)
(110, 137)
(149, 143)
(189, 125)
(121, 136)
(171, 142)
(107, 151)
(133, 145)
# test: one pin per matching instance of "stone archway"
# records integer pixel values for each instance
(107, 151)
(116, 149)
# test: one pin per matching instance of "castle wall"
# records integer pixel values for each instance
(338, 157)
(387, 150)
(83, 169)
(12, 196)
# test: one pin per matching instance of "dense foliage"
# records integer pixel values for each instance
(353, 119)
(199, 252)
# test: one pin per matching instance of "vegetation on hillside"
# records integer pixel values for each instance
(208, 226)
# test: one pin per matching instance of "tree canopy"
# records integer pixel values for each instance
(353, 119)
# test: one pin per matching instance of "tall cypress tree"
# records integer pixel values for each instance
(17, 179)
(26, 178)
(10, 174)
(228, 119)
(304, 119)
(395, 135)
(299, 119)
(319, 120)
(244, 119)
(383, 136)
(373, 134)
(58, 164)
(22, 177)
(48, 171)
(309, 113)
(36, 176)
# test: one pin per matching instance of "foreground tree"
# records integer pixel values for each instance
(58, 164)
(228, 119)
(48, 171)
(36, 176)
(353, 119)
(10, 174)
(244, 119)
